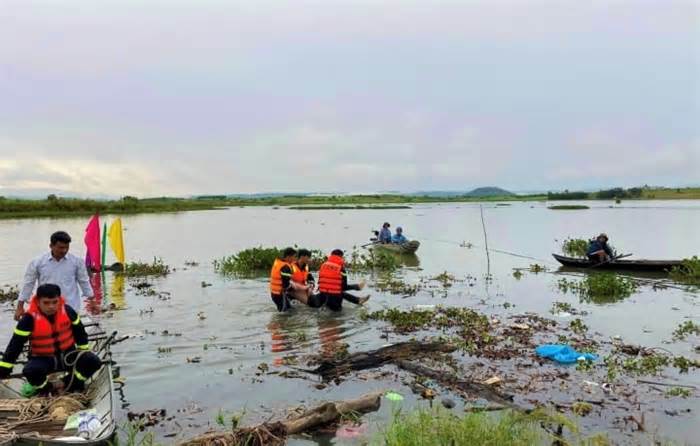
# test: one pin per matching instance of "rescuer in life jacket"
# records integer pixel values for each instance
(302, 280)
(282, 288)
(57, 342)
(333, 284)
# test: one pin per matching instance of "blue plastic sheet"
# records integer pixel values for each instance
(563, 354)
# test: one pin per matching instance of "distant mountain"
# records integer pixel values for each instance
(489, 192)
(478, 192)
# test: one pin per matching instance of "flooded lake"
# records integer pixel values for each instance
(232, 326)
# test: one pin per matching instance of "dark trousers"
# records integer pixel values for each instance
(38, 368)
(334, 302)
(281, 301)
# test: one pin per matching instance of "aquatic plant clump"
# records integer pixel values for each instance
(372, 261)
(396, 287)
(679, 391)
(686, 329)
(258, 261)
(568, 207)
(467, 321)
(600, 287)
(575, 247)
(688, 272)
(141, 269)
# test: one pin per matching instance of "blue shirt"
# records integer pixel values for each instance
(385, 235)
(396, 238)
(595, 246)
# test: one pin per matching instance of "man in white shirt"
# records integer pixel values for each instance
(60, 268)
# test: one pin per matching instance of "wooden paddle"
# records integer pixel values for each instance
(611, 260)
(373, 242)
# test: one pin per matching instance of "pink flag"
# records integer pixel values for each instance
(92, 242)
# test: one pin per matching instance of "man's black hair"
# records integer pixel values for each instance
(337, 252)
(288, 252)
(304, 252)
(60, 236)
(48, 290)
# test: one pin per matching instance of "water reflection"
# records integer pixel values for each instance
(117, 291)
(290, 333)
(94, 305)
(330, 334)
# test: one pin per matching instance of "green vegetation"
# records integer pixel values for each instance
(575, 247)
(132, 434)
(633, 193)
(562, 307)
(397, 287)
(234, 419)
(537, 268)
(326, 207)
(141, 269)
(8, 293)
(649, 363)
(372, 261)
(442, 428)
(600, 287)
(258, 261)
(445, 279)
(568, 207)
(581, 408)
(578, 327)
(473, 327)
(685, 329)
(688, 272)
(566, 195)
(679, 391)
(54, 206)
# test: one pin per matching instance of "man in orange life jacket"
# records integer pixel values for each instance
(333, 284)
(302, 279)
(281, 285)
(56, 337)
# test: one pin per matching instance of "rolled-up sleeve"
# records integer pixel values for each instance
(30, 278)
(84, 280)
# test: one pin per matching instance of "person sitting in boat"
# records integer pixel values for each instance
(598, 249)
(57, 342)
(385, 234)
(333, 285)
(398, 237)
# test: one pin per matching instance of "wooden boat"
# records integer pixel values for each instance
(409, 247)
(99, 394)
(621, 264)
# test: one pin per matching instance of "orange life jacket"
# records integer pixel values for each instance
(330, 277)
(276, 276)
(48, 339)
(300, 275)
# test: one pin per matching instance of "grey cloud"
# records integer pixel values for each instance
(200, 97)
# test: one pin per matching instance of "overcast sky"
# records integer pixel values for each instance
(187, 97)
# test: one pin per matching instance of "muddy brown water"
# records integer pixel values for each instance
(232, 326)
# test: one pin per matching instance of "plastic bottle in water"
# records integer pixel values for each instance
(88, 426)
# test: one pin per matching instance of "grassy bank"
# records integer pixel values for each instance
(54, 206)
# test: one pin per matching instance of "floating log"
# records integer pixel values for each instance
(275, 433)
(330, 370)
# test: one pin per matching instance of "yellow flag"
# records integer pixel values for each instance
(116, 241)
